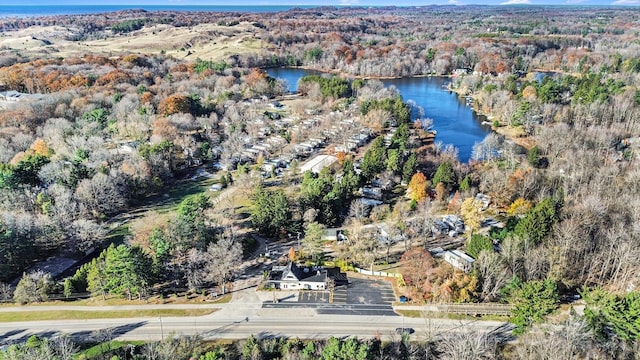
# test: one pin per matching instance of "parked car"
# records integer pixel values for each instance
(403, 299)
(405, 330)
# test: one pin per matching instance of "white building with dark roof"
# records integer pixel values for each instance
(293, 277)
(459, 260)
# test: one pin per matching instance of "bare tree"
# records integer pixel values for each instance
(194, 268)
(87, 233)
(173, 347)
(358, 210)
(366, 249)
(103, 337)
(33, 287)
(64, 347)
(100, 195)
(223, 258)
(419, 227)
(493, 275)
(571, 340)
(468, 346)
(6, 292)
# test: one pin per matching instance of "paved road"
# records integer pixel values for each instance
(245, 315)
(268, 323)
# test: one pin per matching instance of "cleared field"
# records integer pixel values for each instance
(205, 41)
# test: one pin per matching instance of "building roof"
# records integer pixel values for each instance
(293, 273)
(293, 269)
(318, 163)
(461, 255)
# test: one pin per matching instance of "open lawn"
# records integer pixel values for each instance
(111, 314)
(443, 315)
(154, 300)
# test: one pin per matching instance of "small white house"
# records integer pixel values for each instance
(293, 277)
(459, 260)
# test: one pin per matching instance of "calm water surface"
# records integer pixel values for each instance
(456, 123)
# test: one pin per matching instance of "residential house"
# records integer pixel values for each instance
(459, 260)
(294, 277)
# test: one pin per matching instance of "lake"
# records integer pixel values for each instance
(456, 123)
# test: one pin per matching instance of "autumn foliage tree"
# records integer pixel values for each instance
(519, 206)
(471, 214)
(175, 104)
(417, 188)
(417, 267)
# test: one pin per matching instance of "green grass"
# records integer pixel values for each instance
(100, 349)
(114, 301)
(117, 235)
(444, 315)
(176, 194)
(83, 315)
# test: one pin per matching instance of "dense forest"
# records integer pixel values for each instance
(101, 136)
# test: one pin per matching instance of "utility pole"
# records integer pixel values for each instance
(161, 328)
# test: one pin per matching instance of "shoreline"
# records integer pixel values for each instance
(514, 134)
(351, 76)
(509, 132)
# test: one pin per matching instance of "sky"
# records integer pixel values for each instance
(321, 2)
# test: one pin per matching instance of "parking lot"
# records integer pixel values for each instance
(360, 297)
(359, 291)
(370, 292)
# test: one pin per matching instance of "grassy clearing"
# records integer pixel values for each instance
(84, 315)
(441, 315)
(117, 235)
(100, 349)
(170, 200)
(154, 300)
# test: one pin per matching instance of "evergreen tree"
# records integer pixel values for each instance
(189, 227)
(96, 278)
(313, 240)
(374, 159)
(619, 314)
(533, 157)
(466, 183)
(477, 243)
(539, 221)
(270, 211)
(409, 167)
(531, 302)
(127, 271)
(445, 175)
(394, 161)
